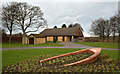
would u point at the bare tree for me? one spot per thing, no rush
(114, 26)
(78, 25)
(8, 15)
(30, 19)
(64, 26)
(71, 25)
(118, 26)
(95, 29)
(55, 26)
(98, 28)
(108, 29)
(3, 32)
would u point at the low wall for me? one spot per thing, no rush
(97, 39)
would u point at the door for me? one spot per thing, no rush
(31, 40)
(63, 38)
(55, 37)
(70, 38)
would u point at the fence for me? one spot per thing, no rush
(97, 39)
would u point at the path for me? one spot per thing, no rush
(66, 45)
(74, 45)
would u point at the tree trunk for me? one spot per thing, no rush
(100, 37)
(114, 37)
(10, 37)
(24, 39)
(108, 36)
(103, 38)
(119, 41)
(103, 35)
(114, 33)
(24, 34)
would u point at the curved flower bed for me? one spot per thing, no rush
(94, 51)
(34, 65)
(66, 59)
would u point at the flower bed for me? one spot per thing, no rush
(66, 59)
(34, 65)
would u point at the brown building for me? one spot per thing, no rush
(60, 34)
(63, 34)
(35, 39)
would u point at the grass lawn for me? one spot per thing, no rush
(13, 56)
(11, 45)
(100, 44)
(0, 61)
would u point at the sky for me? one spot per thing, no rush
(58, 12)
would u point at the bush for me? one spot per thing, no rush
(100, 57)
(105, 58)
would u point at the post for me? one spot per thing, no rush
(72, 38)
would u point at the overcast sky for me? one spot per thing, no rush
(58, 13)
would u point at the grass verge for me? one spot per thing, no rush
(100, 44)
(11, 45)
(13, 56)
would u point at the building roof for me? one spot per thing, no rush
(37, 35)
(62, 32)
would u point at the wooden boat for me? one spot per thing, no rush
(94, 51)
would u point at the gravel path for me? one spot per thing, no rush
(66, 45)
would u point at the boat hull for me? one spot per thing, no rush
(94, 51)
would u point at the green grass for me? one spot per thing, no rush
(0, 61)
(13, 56)
(100, 44)
(11, 45)
(112, 53)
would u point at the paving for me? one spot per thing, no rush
(74, 45)
(66, 45)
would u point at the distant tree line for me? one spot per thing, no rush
(104, 28)
(22, 17)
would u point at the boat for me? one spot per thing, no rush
(94, 51)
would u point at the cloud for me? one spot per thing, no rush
(66, 19)
(83, 13)
(57, 13)
(61, 0)
(69, 19)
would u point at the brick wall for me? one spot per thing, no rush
(97, 39)
(14, 39)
